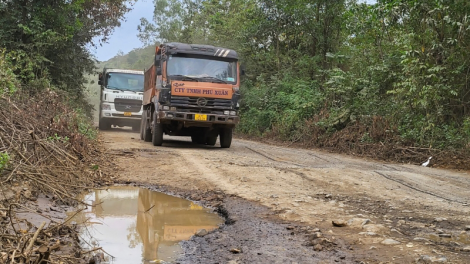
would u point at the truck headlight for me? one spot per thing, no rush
(226, 112)
(105, 107)
(166, 107)
(173, 108)
(233, 112)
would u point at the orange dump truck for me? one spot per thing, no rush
(191, 90)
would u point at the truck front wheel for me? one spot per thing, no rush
(157, 135)
(142, 126)
(104, 124)
(210, 141)
(147, 133)
(225, 137)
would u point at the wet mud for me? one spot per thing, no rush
(253, 233)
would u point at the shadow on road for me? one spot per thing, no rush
(121, 129)
(168, 141)
(185, 142)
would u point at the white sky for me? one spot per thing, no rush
(125, 37)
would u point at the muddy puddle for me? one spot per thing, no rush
(136, 225)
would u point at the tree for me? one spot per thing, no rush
(172, 21)
(47, 41)
(321, 65)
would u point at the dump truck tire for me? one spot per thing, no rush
(104, 125)
(210, 141)
(157, 135)
(226, 137)
(146, 128)
(142, 125)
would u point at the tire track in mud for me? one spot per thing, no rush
(318, 157)
(404, 183)
(210, 174)
(275, 159)
(298, 173)
(460, 180)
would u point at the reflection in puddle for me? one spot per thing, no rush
(134, 224)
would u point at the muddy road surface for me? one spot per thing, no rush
(288, 205)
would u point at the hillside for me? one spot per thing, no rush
(137, 59)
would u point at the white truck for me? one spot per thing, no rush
(120, 98)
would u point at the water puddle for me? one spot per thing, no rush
(136, 225)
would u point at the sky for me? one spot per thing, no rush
(125, 38)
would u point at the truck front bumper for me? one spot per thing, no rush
(190, 118)
(120, 115)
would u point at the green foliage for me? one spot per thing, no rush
(45, 45)
(56, 137)
(85, 125)
(318, 66)
(4, 159)
(47, 42)
(8, 80)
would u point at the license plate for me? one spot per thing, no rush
(127, 114)
(200, 117)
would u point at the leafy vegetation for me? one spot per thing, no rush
(4, 159)
(396, 71)
(56, 137)
(8, 81)
(46, 43)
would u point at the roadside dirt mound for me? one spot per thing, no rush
(373, 138)
(45, 150)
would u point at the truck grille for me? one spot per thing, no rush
(127, 105)
(192, 102)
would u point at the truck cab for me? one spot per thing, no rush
(120, 98)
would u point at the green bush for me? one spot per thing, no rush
(4, 159)
(8, 81)
(85, 124)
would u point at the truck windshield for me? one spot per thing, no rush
(201, 68)
(125, 81)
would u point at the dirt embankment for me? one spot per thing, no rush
(46, 159)
(283, 201)
(373, 138)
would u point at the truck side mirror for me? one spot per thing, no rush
(242, 69)
(100, 78)
(158, 66)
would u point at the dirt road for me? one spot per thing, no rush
(280, 202)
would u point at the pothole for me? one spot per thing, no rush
(136, 225)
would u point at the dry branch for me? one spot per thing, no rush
(49, 155)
